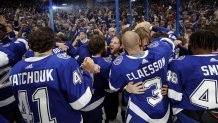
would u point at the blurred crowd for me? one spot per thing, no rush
(24, 16)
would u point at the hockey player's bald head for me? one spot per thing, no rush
(130, 40)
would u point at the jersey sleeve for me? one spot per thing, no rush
(174, 84)
(163, 46)
(171, 34)
(168, 42)
(116, 79)
(19, 47)
(4, 59)
(6, 56)
(78, 85)
(83, 53)
(73, 52)
(105, 68)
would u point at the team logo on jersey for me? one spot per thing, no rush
(153, 44)
(63, 56)
(180, 58)
(144, 61)
(107, 59)
(118, 60)
(57, 50)
(213, 60)
(29, 66)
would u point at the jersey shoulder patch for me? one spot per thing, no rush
(118, 60)
(153, 44)
(107, 59)
(63, 56)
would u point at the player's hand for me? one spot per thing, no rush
(63, 47)
(146, 25)
(89, 65)
(177, 42)
(136, 88)
(164, 90)
(96, 68)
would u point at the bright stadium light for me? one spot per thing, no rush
(54, 7)
(64, 4)
(133, 0)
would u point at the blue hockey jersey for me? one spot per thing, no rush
(151, 69)
(193, 82)
(83, 52)
(172, 36)
(100, 83)
(10, 54)
(51, 89)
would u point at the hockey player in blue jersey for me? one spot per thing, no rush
(10, 54)
(148, 67)
(93, 113)
(50, 88)
(193, 81)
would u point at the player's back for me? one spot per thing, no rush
(48, 88)
(151, 69)
(196, 87)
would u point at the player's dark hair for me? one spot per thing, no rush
(41, 40)
(204, 39)
(96, 44)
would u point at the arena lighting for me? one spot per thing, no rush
(54, 7)
(133, 0)
(64, 4)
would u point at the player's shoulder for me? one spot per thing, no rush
(63, 58)
(154, 43)
(119, 60)
(18, 66)
(182, 62)
(181, 59)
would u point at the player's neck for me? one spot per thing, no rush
(133, 51)
(201, 51)
(49, 52)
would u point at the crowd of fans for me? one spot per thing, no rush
(80, 31)
(69, 20)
